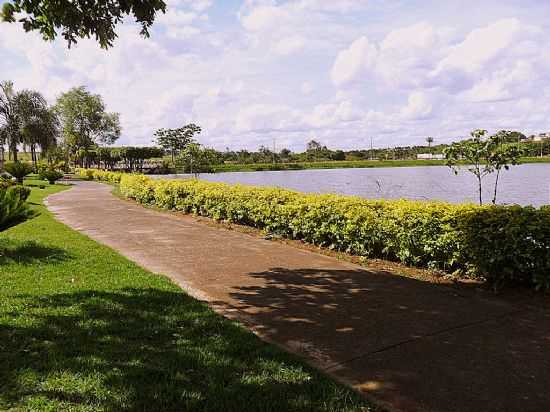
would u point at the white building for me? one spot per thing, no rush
(430, 156)
(541, 136)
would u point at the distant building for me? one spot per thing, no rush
(430, 156)
(541, 136)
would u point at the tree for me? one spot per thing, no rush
(176, 140)
(430, 140)
(313, 145)
(38, 123)
(9, 121)
(26, 118)
(84, 121)
(195, 159)
(80, 18)
(482, 156)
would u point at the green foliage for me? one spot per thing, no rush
(13, 205)
(19, 170)
(83, 329)
(483, 156)
(128, 158)
(52, 175)
(80, 19)
(496, 243)
(101, 175)
(176, 140)
(84, 121)
(196, 159)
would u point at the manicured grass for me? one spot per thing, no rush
(344, 164)
(84, 329)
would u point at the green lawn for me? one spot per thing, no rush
(84, 329)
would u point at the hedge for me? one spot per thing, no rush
(495, 243)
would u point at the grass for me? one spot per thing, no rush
(84, 329)
(343, 164)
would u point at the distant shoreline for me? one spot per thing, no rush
(342, 164)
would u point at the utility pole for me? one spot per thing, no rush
(371, 153)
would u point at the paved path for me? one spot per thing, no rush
(411, 345)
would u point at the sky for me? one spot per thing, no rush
(282, 72)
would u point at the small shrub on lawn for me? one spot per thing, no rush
(51, 175)
(19, 170)
(13, 206)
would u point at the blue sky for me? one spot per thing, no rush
(254, 72)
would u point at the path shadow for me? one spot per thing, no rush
(398, 338)
(149, 350)
(30, 252)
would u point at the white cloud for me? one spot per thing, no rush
(352, 62)
(419, 106)
(289, 45)
(285, 69)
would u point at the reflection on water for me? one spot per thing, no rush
(527, 184)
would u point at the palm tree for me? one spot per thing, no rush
(430, 140)
(8, 117)
(38, 123)
(25, 118)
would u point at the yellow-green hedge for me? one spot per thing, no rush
(102, 175)
(499, 243)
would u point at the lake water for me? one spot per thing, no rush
(527, 184)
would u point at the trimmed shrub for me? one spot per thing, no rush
(51, 175)
(13, 206)
(101, 175)
(19, 170)
(496, 243)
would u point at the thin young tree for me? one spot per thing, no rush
(483, 155)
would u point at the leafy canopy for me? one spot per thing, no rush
(84, 121)
(176, 140)
(483, 155)
(81, 18)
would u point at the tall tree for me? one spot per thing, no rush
(38, 123)
(80, 18)
(429, 140)
(176, 140)
(84, 121)
(9, 121)
(26, 118)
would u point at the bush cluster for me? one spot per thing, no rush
(101, 175)
(19, 170)
(496, 243)
(13, 205)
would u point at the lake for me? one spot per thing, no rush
(527, 184)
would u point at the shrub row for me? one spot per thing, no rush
(102, 175)
(497, 243)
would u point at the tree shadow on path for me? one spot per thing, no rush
(399, 338)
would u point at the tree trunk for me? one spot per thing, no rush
(496, 188)
(480, 191)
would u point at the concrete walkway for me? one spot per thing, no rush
(410, 345)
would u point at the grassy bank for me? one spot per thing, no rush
(84, 329)
(343, 164)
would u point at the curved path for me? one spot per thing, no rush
(411, 345)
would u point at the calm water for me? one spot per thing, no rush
(527, 184)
